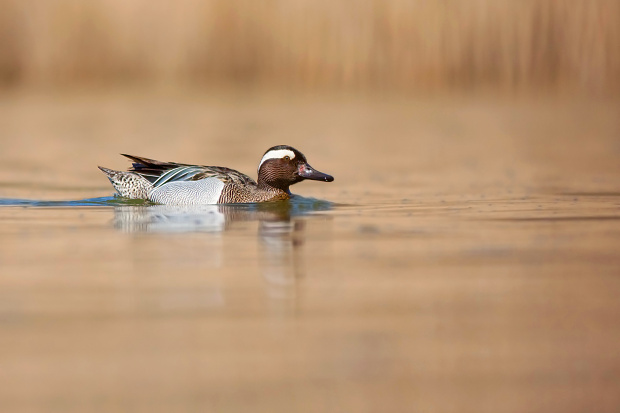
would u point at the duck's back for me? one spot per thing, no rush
(183, 184)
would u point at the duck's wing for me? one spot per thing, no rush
(159, 173)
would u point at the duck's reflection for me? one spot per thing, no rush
(282, 260)
(280, 234)
(169, 218)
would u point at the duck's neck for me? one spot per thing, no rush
(275, 190)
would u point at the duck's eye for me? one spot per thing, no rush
(287, 158)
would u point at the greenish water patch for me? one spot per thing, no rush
(101, 201)
(297, 205)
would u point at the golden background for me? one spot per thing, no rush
(469, 257)
(405, 46)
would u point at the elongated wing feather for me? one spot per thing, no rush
(182, 173)
(159, 173)
(150, 168)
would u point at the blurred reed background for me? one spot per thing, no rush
(411, 46)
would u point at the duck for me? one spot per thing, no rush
(173, 183)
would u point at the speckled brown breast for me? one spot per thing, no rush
(235, 192)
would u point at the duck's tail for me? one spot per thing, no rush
(128, 184)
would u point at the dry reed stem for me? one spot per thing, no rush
(405, 45)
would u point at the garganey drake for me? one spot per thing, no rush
(182, 184)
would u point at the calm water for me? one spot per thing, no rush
(466, 259)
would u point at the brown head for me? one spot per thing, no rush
(283, 166)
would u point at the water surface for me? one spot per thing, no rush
(466, 258)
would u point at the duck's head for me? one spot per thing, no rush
(283, 166)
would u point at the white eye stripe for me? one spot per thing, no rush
(277, 154)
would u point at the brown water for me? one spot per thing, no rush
(466, 258)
